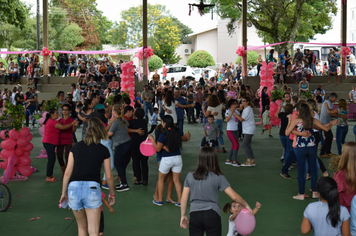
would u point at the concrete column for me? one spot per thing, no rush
(45, 41)
(343, 37)
(244, 39)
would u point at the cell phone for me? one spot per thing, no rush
(64, 204)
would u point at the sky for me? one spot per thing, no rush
(180, 9)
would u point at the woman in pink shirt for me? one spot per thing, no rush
(51, 139)
(65, 138)
(114, 85)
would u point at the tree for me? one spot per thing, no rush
(200, 58)
(252, 57)
(154, 63)
(13, 12)
(281, 20)
(62, 35)
(164, 31)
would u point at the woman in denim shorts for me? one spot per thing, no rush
(83, 193)
(169, 142)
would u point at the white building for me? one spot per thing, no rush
(219, 43)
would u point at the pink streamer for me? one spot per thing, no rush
(274, 44)
(75, 52)
(19, 52)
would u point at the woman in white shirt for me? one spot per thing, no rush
(169, 106)
(215, 108)
(248, 129)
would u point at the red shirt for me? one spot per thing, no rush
(345, 197)
(51, 133)
(127, 120)
(165, 71)
(114, 85)
(66, 136)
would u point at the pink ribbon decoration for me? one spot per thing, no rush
(45, 52)
(345, 51)
(241, 51)
(144, 52)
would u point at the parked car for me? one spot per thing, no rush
(199, 71)
(176, 71)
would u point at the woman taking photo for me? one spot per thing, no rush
(169, 142)
(305, 149)
(51, 139)
(203, 185)
(65, 137)
(81, 182)
(215, 109)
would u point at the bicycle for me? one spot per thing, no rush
(5, 196)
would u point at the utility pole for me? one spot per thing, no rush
(38, 26)
(45, 40)
(144, 36)
(244, 38)
(343, 36)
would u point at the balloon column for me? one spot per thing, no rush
(128, 80)
(345, 51)
(268, 81)
(241, 51)
(144, 52)
(16, 152)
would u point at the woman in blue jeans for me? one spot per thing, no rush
(215, 108)
(342, 128)
(305, 149)
(119, 133)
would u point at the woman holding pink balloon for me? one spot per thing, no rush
(51, 139)
(203, 185)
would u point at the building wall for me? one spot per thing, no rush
(180, 51)
(351, 21)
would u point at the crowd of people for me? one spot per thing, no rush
(112, 134)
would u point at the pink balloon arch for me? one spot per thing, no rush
(128, 80)
(267, 80)
(16, 153)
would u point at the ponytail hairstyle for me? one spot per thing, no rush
(86, 104)
(327, 187)
(120, 111)
(227, 207)
(173, 135)
(48, 115)
(305, 115)
(208, 162)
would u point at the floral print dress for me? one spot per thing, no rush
(304, 141)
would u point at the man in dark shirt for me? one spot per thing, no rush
(298, 55)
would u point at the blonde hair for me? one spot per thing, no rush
(313, 105)
(342, 104)
(95, 132)
(346, 161)
(120, 111)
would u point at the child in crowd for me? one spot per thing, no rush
(235, 208)
(289, 74)
(205, 108)
(154, 119)
(211, 133)
(266, 122)
(105, 202)
(308, 72)
(231, 129)
(326, 216)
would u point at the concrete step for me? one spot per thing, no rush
(52, 80)
(55, 88)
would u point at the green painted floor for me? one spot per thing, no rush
(136, 215)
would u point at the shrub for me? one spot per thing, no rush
(155, 62)
(201, 59)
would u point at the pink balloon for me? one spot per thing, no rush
(22, 141)
(8, 144)
(3, 165)
(28, 148)
(244, 222)
(29, 137)
(26, 154)
(2, 134)
(19, 151)
(42, 119)
(24, 132)
(41, 130)
(6, 153)
(14, 135)
(25, 170)
(25, 161)
(13, 171)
